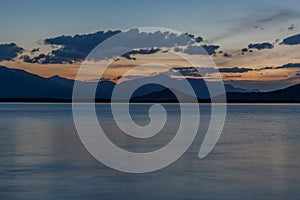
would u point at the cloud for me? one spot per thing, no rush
(199, 50)
(186, 71)
(197, 39)
(235, 70)
(35, 50)
(203, 71)
(260, 46)
(244, 50)
(191, 71)
(243, 70)
(292, 40)
(264, 68)
(259, 19)
(233, 76)
(285, 66)
(211, 49)
(71, 48)
(43, 59)
(76, 48)
(9, 51)
(135, 39)
(226, 55)
(289, 65)
(198, 72)
(291, 27)
(140, 51)
(81, 43)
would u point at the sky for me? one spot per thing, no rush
(28, 21)
(232, 25)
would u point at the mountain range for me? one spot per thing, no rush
(19, 85)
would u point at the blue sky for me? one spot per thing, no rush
(25, 22)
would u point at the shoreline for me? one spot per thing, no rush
(205, 101)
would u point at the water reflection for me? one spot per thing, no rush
(257, 157)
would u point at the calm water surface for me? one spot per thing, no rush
(257, 156)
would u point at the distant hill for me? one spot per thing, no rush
(198, 86)
(19, 85)
(290, 94)
(165, 95)
(16, 83)
(287, 95)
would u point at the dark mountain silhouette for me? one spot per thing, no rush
(165, 95)
(289, 94)
(19, 85)
(16, 83)
(231, 88)
(198, 85)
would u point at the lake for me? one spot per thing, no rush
(256, 157)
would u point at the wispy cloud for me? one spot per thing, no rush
(259, 19)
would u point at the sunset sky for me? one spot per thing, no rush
(255, 44)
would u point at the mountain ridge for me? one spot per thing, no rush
(18, 85)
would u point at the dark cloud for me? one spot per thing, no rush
(191, 71)
(199, 72)
(140, 51)
(38, 59)
(211, 49)
(27, 59)
(289, 65)
(186, 71)
(226, 55)
(35, 50)
(233, 76)
(292, 27)
(286, 66)
(260, 46)
(201, 50)
(276, 41)
(76, 48)
(72, 48)
(197, 39)
(235, 70)
(292, 40)
(83, 43)
(264, 68)
(9, 51)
